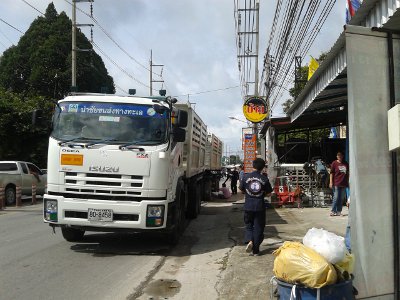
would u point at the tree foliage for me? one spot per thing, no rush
(33, 72)
(41, 62)
(296, 89)
(20, 140)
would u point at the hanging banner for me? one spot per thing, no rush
(250, 147)
(255, 109)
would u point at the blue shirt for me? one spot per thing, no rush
(255, 185)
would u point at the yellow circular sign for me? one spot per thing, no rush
(255, 109)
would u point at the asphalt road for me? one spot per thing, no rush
(37, 264)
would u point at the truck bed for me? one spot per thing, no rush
(194, 149)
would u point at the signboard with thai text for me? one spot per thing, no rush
(255, 109)
(247, 130)
(250, 147)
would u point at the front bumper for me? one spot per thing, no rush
(126, 215)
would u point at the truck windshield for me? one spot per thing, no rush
(109, 123)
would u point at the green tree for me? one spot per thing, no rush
(20, 140)
(296, 89)
(41, 62)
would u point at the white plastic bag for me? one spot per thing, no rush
(327, 244)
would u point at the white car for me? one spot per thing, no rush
(22, 174)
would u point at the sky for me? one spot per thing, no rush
(194, 40)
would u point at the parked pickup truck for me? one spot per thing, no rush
(23, 174)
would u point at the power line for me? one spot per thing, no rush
(27, 3)
(11, 26)
(7, 38)
(119, 67)
(292, 34)
(209, 91)
(111, 38)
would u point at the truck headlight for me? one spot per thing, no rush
(50, 210)
(155, 215)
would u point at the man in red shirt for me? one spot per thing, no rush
(339, 181)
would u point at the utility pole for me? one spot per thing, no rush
(151, 73)
(73, 82)
(252, 32)
(257, 46)
(74, 48)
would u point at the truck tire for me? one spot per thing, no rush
(72, 234)
(194, 202)
(10, 195)
(207, 190)
(179, 221)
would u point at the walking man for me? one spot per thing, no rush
(339, 181)
(234, 179)
(255, 186)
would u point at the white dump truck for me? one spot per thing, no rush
(125, 163)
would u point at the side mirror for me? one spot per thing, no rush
(182, 119)
(179, 135)
(160, 109)
(37, 116)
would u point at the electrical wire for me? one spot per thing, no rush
(209, 91)
(292, 34)
(119, 67)
(27, 3)
(112, 39)
(13, 27)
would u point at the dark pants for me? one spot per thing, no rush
(234, 187)
(255, 223)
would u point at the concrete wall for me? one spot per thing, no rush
(370, 176)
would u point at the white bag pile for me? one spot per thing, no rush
(327, 244)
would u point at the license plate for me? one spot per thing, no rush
(104, 215)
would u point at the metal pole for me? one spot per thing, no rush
(151, 72)
(257, 46)
(73, 82)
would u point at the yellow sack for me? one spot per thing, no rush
(298, 264)
(346, 266)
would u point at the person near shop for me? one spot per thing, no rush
(241, 173)
(255, 186)
(223, 193)
(234, 178)
(338, 182)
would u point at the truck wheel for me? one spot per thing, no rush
(193, 203)
(72, 234)
(180, 219)
(10, 195)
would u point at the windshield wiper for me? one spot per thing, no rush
(100, 141)
(62, 143)
(131, 146)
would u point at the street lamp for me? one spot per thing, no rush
(234, 118)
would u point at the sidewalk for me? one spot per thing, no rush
(247, 277)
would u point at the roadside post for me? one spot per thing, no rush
(18, 201)
(33, 193)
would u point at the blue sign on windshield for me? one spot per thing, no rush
(117, 109)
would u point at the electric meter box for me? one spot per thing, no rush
(394, 127)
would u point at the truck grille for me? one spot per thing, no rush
(127, 196)
(95, 179)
